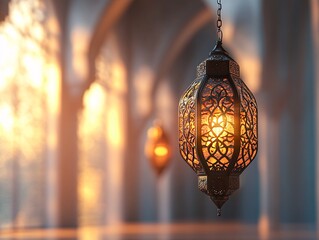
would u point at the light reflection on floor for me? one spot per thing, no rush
(196, 231)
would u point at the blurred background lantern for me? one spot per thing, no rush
(157, 148)
(218, 124)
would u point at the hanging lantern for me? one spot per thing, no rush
(218, 124)
(157, 148)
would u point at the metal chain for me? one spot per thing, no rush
(219, 21)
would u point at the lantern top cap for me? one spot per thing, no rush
(219, 52)
(218, 63)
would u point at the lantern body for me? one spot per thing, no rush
(218, 126)
(157, 148)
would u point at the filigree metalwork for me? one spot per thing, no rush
(217, 124)
(187, 134)
(234, 68)
(201, 69)
(202, 183)
(248, 127)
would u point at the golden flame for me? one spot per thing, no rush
(161, 151)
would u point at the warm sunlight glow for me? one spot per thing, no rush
(246, 49)
(79, 39)
(114, 124)
(87, 190)
(251, 70)
(52, 72)
(29, 108)
(143, 82)
(95, 98)
(6, 119)
(119, 74)
(102, 135)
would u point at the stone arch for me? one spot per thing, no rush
(111, 14)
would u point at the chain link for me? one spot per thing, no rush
(219, 21)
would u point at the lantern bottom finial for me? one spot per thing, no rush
(219, 212)
(219, 202)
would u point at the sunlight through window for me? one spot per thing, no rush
(29, 104)
(102, 141)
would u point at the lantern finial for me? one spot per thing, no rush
(219, 212)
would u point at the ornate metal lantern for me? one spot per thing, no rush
(157, 148)
(218, 125)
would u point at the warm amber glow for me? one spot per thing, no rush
(157, 147)
(218, 125)
(161, 151)
(154, 132)
(221, 125)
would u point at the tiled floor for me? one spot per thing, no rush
(196, 231)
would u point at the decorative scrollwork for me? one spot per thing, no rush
(201, 69)
(187, 136)
(234, 68)
(217, 124)
(248, 127)
(202, 184)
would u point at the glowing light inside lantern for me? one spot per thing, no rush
(157, 147)
(161, 151)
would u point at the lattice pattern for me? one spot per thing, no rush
(187, 115)
(217, 124)
(248, 127)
